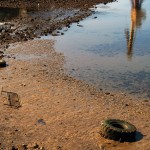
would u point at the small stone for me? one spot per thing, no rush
(146, 101)
(107, 93)
(94, 17)
(14, 148)
(7, 46)
(126, 104)
(2, 63)
(24, 145)
(55, 33)
(16, 130)
(35, 145)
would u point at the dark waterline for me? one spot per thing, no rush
(8, 13)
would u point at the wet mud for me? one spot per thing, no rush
(57, 111)
(25, 20)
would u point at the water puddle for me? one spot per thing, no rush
(111, 48)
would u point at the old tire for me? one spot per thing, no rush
(2, 63)
(117, 130)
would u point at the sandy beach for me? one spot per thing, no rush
(59, 112)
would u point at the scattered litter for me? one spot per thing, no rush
(118, 130)
(13, 99)
(41, 121)
(2, 63)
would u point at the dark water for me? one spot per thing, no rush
(112, 49)
(7, 14)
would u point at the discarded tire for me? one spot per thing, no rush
(2, 63)
(117, 130)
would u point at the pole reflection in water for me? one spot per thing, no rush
(137, 16)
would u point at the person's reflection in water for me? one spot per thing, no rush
(137, 15)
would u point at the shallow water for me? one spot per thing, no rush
(111, 48)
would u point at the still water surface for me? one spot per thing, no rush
(111, 48)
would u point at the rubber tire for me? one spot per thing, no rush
(2, 63)
(117, 130)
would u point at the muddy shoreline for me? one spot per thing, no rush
(48, 18)
(57, 111)
(44, 4)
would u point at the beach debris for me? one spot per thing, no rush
(41, 121)
(118, 130)
(2, 63)
(13, 99)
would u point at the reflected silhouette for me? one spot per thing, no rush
(7, 14)
(137, 16)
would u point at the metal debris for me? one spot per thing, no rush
(13, 99)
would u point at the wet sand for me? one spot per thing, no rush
(59, 112)
(38, 18)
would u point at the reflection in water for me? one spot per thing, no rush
(136, 3)
(95, 53)
(10, 13)
(137, 15)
